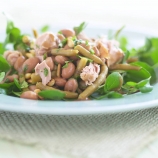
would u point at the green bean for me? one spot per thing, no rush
(92, 88)
(64, 52)
(82, 63)
(87, 54)
(124, 67)
(68, 95)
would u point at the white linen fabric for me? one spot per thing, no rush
(118, 135)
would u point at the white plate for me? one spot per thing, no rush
(128, 103)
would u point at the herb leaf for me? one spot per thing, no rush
(80, 28)
(45, 71)
(52, 94)
(2, 75)
(114, 81)
(62, 43)
(66, 64)
(4, 65)
(45, 28)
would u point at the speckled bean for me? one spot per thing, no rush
(50, 63)
(60, 82)
(71, 85)
(19, 62)
(61, 37)
(68, 32)
(12, 58)
(32, 87)
(61, 59)
(30, 64)
(29, 95)
(68, 71)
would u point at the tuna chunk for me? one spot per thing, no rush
(116, 54)
(45, 43)
(90, 73)
(43, 70)
(109, 49)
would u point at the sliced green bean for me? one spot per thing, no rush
(68, 95)
(92, 88)
(87, 54)
(64, 52)
(124, 67)
(82, 63)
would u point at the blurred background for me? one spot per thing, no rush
(35, 13)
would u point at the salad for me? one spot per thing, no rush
(69, 65)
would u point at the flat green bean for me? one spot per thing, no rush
(64, 52)
(82, 63)
(124, 67)
(87, 54)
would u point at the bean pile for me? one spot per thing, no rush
(67, 61)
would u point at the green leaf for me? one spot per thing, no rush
(123, 43)
(126, 56)
(24, 84)
(136, 75)
(147, 46)
(2, 75)
(114, 94)
(17, 84)
(14, 35)
(143, 83)
(2, 48)
(149, 52)
(52, 94)
(113, 82)
(149, 69)
(7, 88)
(45, 28)
(142, 86)
(146, 89)
(131, 84)
(130, 88)
(92, 51)
(62, 43)
(45, 72)
(10, 24)
(17, 93)
(118, 32)
(45, 56)
(4, 65)
(66, 64)
(111, 94)
(80, 28)
(6, 85)
(87, 43)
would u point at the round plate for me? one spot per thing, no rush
(128, 103)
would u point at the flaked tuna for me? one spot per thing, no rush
(44, 44)
(90, 73)
(43, 70)
(109, 49)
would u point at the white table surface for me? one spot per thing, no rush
(28, 14)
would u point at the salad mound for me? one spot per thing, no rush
(69, 65)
